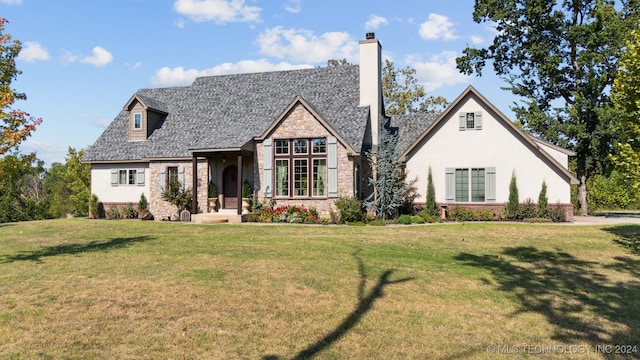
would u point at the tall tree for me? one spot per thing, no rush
(625, 94)
(561, 58)
(404, 95)
(15, 125)
(401, 91)
(388, 182)
(68, 186)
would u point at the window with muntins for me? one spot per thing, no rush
(470, 121)
(470, 184)
(300, 168)
(125, 177)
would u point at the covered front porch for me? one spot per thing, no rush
(226, 170)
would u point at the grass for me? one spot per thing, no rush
(85, 289)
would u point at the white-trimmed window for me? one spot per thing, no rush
(127, 177)
(470, 184)
(137, 121)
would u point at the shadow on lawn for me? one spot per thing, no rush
(563, 288)
(70, 249)
(364, 304)
(628, 237)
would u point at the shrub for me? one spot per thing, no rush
(543, 201)
(94, 207)
(431, 219)
(610, 192)
(334, 217)
(459, 213)
(142, 203)
(247, 192)
(417, 219)
(405, 219)
(212, 190)
(512, 208)
(290, 214)
(128, 212)
(253, 218)
(527, 210)
(556, 214)
(483, 215)
(113, 213)
(350, 209)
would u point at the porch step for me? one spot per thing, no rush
(221, 217)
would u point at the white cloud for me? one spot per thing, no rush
(294, 6)
(180, 76)
(101, 57)
(374, 22)
(46, 151)
(33, 51)
(437, 27)
(11, 2)
(476, 40)
(304, 46)
(103, 123)
(219, 11)
(439, 71)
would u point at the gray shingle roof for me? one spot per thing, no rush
(410, 127)
(218, 112)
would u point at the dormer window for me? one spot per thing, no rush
(137, 121)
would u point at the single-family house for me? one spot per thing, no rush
(300, 137)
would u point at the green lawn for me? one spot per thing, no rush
(96, 289)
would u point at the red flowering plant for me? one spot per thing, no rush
(290, 214)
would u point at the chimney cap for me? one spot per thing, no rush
(370, 35)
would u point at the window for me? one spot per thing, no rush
(470, 185)
(470, 121)
(300, 167)
(122, 177)
(137, 121)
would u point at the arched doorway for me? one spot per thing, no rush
(230, 187)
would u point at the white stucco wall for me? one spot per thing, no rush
(495, 145)
(101, 183)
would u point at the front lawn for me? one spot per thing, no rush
(97, 289)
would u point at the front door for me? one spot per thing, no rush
(230, 187)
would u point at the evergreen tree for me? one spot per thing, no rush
(513, 205)
(431, 206)
(388, 180)
(543, 202)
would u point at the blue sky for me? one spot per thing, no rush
(82, 60)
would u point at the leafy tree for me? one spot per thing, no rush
(68, 186)
(624, 93)
(543, 201)
(21, 195)
(401, 92)
(560, 58)
(512, 210)
(431, 207)
(388, 181)
(15, 125)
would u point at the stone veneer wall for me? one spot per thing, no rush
(163, 210)
(300, 123)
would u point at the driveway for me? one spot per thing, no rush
(605, 220)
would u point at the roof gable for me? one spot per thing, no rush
(449, 115)
(302, 102)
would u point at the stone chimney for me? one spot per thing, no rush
(371, 83)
